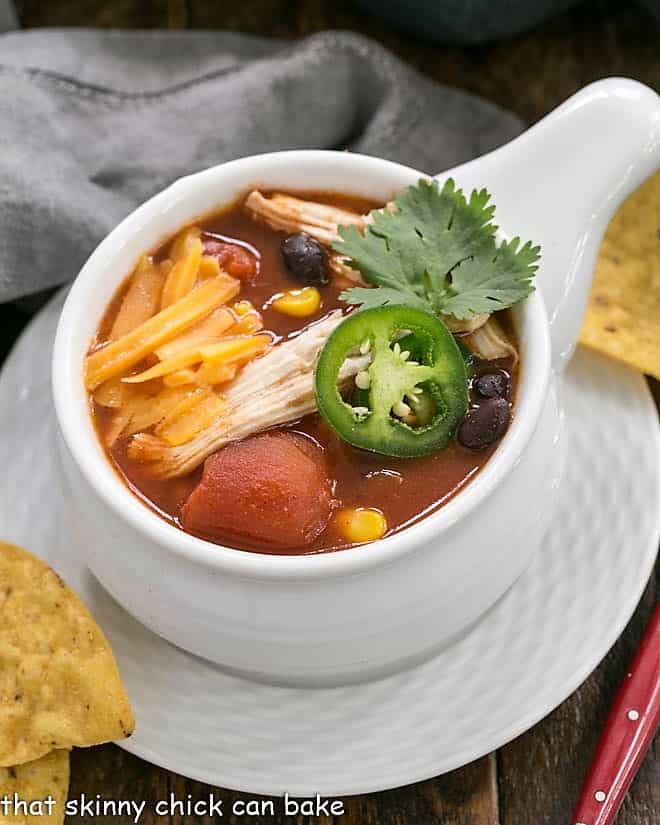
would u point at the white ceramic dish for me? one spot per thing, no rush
(527, 655)
(369, 610)
(314, 619)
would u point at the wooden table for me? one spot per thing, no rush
(536, 779)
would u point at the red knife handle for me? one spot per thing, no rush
(628, 732)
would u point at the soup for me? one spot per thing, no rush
(212, 389)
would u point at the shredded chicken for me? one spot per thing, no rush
(272, 390)
(490, 341)
(341, 269)
(465, 327)
(284, 213)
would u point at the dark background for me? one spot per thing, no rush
(529, 74)
(536, 779)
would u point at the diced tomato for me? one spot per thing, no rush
(271, 488)
(233, 258)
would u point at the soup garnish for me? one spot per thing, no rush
(429, 253)
(413, 393)
(302, 374)
(434, 250)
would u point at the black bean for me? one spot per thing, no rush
(485, 424)
(493, 384)
(306, 259)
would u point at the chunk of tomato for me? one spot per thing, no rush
(271, 488)
(233, 258)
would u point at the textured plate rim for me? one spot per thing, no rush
(498, 738)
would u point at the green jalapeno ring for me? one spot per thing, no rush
(440, 371)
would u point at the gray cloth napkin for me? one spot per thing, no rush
(94, 122)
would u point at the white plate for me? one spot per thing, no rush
(524, 658)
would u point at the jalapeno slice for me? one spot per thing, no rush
(414, 394)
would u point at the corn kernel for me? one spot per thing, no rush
(298, 302)
(361, 524)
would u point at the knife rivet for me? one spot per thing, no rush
(633, 715)
(600, 796)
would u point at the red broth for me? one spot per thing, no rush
(405, 490)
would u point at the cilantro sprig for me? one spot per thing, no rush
(436, 250)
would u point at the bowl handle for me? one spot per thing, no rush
(560, 182)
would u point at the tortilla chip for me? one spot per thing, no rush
(59, 683)
(35, 782)
(623, 316)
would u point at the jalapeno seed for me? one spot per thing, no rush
(485, 424)
(305, 259)
(423, 407)
(362, 380)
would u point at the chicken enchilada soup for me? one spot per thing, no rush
(300, 373)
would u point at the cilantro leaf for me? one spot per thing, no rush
(370, 253)
(382, 296)
(476, 288)
(436, 250)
